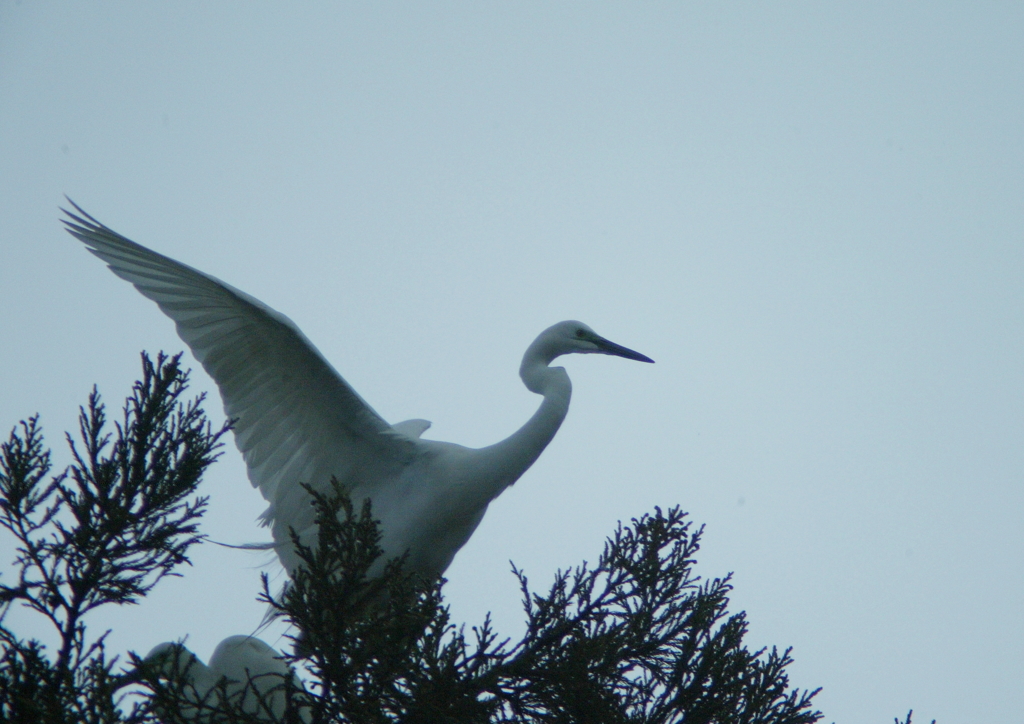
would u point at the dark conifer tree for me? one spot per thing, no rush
(103, 532)
(636, 637)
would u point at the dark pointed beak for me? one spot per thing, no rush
(607, 347)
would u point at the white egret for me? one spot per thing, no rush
(254, 676)
(297, 421)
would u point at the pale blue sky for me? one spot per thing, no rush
(808, 214)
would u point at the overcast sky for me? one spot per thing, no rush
(808, 214)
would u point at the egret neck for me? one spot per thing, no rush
(507, 460)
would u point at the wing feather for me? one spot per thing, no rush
(295, 419)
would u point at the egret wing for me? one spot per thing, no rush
(295, 419)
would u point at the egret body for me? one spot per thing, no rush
(297, 421)
(254, 676)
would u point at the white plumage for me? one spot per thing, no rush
(297, 421)
(254, 676)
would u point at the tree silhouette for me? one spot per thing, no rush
(634, 637)
(103, 532)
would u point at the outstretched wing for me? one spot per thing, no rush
(295, 419)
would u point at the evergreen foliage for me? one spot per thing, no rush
(121, 517)
(637, 637)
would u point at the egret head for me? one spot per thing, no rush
(168, 657)
(575, 337)
(172, 660)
